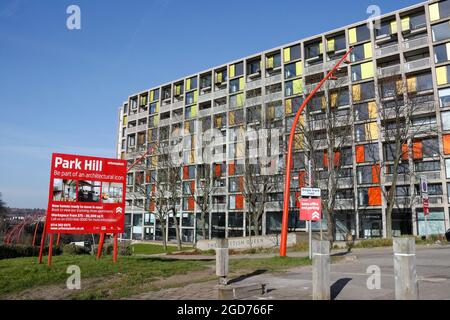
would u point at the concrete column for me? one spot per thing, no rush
(406, 287)
(321, 270)
(222, 260)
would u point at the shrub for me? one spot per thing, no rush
(124, 249)
(17, 251)
(72, 250)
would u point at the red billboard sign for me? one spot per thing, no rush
(86, 195)
(426, 206)
(310, 209)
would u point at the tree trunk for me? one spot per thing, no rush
(177, 231)
(330, 227)
(203, 222)
(163, 233)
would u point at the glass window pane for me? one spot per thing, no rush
(441, 31)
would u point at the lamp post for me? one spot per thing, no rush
(287, 183)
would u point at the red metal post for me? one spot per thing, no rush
(50, 250)
(287, 180)
(41, 249)
(115, 248)
(35, 233)
(100, 245)
(58, 239)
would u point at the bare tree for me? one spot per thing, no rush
(3, 209)
(401, 130)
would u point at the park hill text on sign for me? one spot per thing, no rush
(88, 165)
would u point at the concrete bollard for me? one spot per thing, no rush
(406, 286)
(321, 270)
(222, 260)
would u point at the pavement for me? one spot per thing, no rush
(348, 277)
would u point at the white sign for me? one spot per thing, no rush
(310, 192)
(423, 185)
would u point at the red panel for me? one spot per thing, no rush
(218, 170)
(302, 179)
(417, 150)
(191, 203)
(374, 196)
(446, 142)
(405, 154)
(360, 154)
(325, 158)
(231, 169)
(376, 173)
(186, 172)
(239, 201)
(337, 158)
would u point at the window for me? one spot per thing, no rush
(447, 169)
(254, 67)
(391, 88)
(441, 31)
(275, 110)
(362, 71)
(237, 85)
(178, 89)
(368, 174)
(441, 52)
(418, 83)
(427, 166)
(367, 131)
(191, 97)
(369, 196)
(236, 202)
(191, 83)
(205, 81)
(190, 112)
(363, 91)
(154, 108)
(131, 140)
(236, 184)
(430, 147)
(365, 111)
(273, 61)
(358, 34)
(292, 53)
(236, 117)
(337, 43)
(444, 98)
(237, 100)
(154, 95)
(387, 28)
(221, 76)
(413, 22)
(439, 10)
(293, 88)
(445, 116)
(443, 75)
(236, 69)
(293, 70)
(367, 153)
(292, 105)
(314, 50)
(361, 52)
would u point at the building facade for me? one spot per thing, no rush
(410, 46)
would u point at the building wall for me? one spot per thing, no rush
(407, 46)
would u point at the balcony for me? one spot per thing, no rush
(345, 203)
(165, 122)
(273, 79)
(383, 51)
(219, 206)
(273, 97)
(417, 64)
(430, 175)
(205, 112)
(340, 82)
(220, 109)
(389, 71)
(274, 205)
(345, 182)
(204, 97)
(177, 118)
(314, 69)
(415, 43)
(310, 87)
(254, 101)
(253, 84)
(219, 94)
(425, 107)
(133, 117)
(176, 105)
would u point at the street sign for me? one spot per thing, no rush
(86, 195)
(310, 209)
(423, 185)
(310, 192)
(426, 206)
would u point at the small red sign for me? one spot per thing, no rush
(310, 209)
(86, 195)
(426, 206)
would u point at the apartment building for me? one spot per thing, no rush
(411, 45)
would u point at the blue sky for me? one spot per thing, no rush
(60, 89)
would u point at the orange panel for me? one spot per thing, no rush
(325, 158)
(239, 201)
(192, 186)
(417, 150)
(359, 154)
(446, 141)
(405, 151)
(152, 206)
(191, 203)
(376, 173)
(218, 170)
(302, 179)
(231, 169)
(374, 196)
(241, 184)
(186, 172)
(337, 158)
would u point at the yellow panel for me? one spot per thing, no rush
(434, 11)
(394, 27)
(330, 44)
(372, 106)
(399, 86)
(297, 86)
(288, 106)
(287, 54)
(154, 161)
(298, 141)
(156, 120)
(241, 83)
(152, 95)
(412, 84)
(193, 111)
(333, 99)
(270, 62)
(367, 70)
(323, 101)
(232, 71)
(219, 77)
(356, 92)
(373, 130)
(298, 68)
(157, 107)
(188, 84)
(367, 50)
(405, 24)
(125, 120)
(441, 75)
(321, 47)
(240, 100)
(195, 96)
(352, 35)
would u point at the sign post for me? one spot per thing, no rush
(425, 201)
(86, 195)
(310, 210)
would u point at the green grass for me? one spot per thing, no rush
(149, 248)
(130, 275)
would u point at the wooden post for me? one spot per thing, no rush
(321, 270)
(406, 286)
(222, 260)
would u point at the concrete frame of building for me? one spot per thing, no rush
(402, 45)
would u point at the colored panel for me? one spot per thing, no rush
(412, 84)
(287, 54)
(288, 106)
(371, 131)
(376, 173)
(239, 201)
(218, 170)
(232, 71)
(393, 27)
(297, 86)
(405, 151)
(231, 169)
(399, 86)
(333, 98)
(185, 172)
(447, 50)
(330, 44)
(434, 11)
(321, 47)
(360, 154)
(188, 84)
(337, 158)
(298, 68)
(152, 95)
(241, 184)
(441, 75)
(241, 83)
(367, 70)
(240, 100)
(219, 77)
(298, 141)
(270, 62)
(372, 108)
(405, 24)
(325, 158)
(125, 120)
(417, 150)
(446, 143)
(352, 35)
(302, 178)
(195, 96)
(191, 204)
(368, 50)
(374, 196)
(231, 118)
(356, 92)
